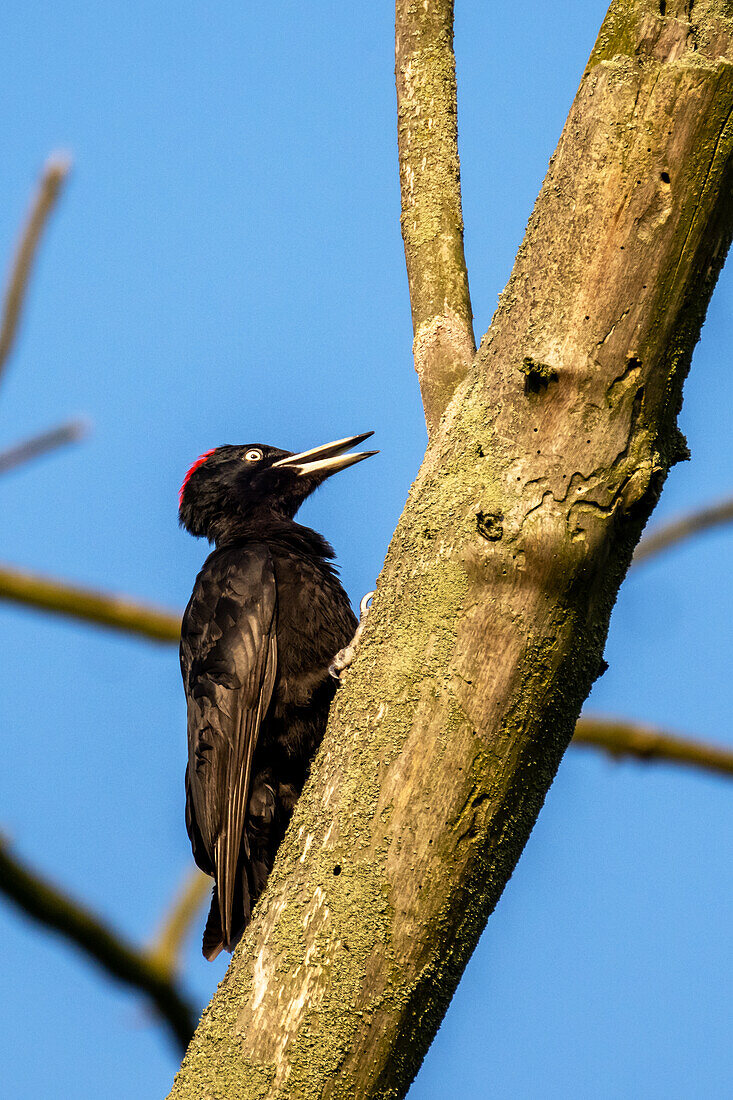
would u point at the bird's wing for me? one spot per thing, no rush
(229, 663)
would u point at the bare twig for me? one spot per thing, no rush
(693, 524)
(38, 445)
(622, 738)
(46, 904)
(102, 608)
(166, 946)
(55, 172)
(430, 181)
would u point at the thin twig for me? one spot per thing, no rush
(54, 173)
(622, 738)
(70, 432)
(166, 946)
(46, 904)
(102, 608)
(430, 182)
(693, 524)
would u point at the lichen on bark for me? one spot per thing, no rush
(479, 652)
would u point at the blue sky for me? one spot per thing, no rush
(226, 266)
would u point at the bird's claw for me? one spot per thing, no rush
(364, 609)
(345, 657)
(341, 662)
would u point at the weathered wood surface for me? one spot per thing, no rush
(430, 187)
(492, 609)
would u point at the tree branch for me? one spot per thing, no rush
(684, 528)
(70, 432)
(432, 221)
(103, 608)
(53, 909)
(617, 738)
(621, 738)
(166, 946)
(55, 172)
(488, 625)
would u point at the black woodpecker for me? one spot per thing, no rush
(266, 618)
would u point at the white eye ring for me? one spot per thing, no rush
(253, 456)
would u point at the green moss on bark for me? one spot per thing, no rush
(478, 652)
(619, 33)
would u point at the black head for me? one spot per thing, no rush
(231, 485)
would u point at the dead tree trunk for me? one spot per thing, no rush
(492, 609)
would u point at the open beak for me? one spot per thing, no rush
(327, 459)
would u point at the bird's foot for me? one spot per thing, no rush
(345, 657)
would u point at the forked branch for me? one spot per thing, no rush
(491, 612)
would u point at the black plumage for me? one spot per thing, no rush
(266, 618)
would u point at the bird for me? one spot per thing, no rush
(266, 618)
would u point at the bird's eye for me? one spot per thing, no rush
(253, 455)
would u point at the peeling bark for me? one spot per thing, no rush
(491, 613)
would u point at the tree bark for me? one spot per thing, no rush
(430, 187)
(491, 612)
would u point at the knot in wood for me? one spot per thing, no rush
(489, 525)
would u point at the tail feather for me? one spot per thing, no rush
(260, 834)
(213, 935)
(260, 838)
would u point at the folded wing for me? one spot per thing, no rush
(229, 664)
